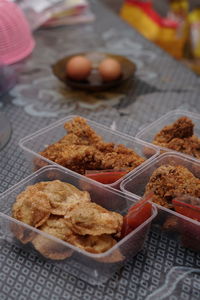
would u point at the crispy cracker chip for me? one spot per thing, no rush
(93, 244)
(90, 218)
(51, 249)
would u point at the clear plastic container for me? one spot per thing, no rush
(93, 268)
(8, 78)
(38, 141)
(148, 132)
(169, 220)
(5, 130)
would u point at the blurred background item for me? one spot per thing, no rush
(192, 55)
(55, 13)
(5, 130)
(7, 78)
(16, 41)
(173, 25)
(169, 32)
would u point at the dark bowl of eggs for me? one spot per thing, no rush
(94, 71)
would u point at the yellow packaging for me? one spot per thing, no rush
(162, 31)
(180, 8)
(194, 22)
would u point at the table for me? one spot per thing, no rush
(163, 269)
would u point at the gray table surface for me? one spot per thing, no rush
(160, 84)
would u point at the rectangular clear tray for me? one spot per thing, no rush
(187, 229)
(93, 268)
(38, 141)
(148, 132)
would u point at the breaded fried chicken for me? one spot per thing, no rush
(168, 182)
(82, 149)
(179, 137)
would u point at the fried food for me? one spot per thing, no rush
(62, 196)
(93, 244)
(24, 235)
(37, 202)
(60, 209)
(35, 205)
(92, 219)
(168, 182)
(32, 208)
(179, 137)
(56, 226)
(51, 249)
(82, 149)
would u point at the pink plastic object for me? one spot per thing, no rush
(16, 41)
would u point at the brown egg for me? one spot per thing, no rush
(78, 67)
(110, 69)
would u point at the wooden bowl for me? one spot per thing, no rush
(94, 81)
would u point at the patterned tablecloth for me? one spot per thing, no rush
(163, 269)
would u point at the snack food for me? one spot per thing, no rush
(60, 209)
(179, 136)
(168, 182)
(83, 149)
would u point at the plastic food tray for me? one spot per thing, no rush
(93, 268)
(38, 141)
(148, 133)
(172, 222)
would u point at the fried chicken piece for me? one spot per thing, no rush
(93, 244)
(182, 128)
(121, 158)
(82, 149)
(76, 157)
(92, 219)
(190, 145)
(168, 182)
(55, 226)
(179, 137)
(79, 127)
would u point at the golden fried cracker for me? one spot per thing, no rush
(62, 196)
(93, 244)
(51, 249)
(31, 207)
(24, 235)
(90, 218)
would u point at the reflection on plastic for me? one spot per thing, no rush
(7, 78)
(175, 275)
(5, 131)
